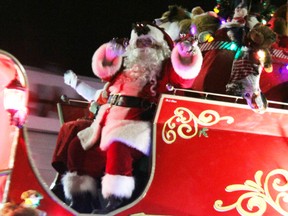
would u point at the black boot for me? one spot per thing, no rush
(58, 191)
(112, 204)
(83, 202)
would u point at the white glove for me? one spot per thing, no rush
(186, 46)
(70, 78)
(114, 49)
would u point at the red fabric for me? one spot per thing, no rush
(70, 156)
(2, 186)
(67, 133)
(283, 42)
(215, 71)
(120, 159)
(90, 162)
(120, 156)
(217, 64)
(240, 20)
(274, 85)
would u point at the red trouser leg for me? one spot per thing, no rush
(67, 133)
(85, 162)
(120, 158)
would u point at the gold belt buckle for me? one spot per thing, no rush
(114, 99)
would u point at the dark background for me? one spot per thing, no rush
(63, 34)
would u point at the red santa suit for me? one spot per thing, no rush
(123, 131)
(274, 85)
(74, 165)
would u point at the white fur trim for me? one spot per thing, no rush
(104, 71)
(118, 186)
(75, 184)
(90, 135)
(136, 134)
(187, 71)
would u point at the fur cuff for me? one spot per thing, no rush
(75, 184)
(118, 186)
(187, 71)
(104, 71)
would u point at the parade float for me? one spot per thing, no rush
(211, 154)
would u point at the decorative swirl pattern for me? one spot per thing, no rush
(259, 197)
(185, 124)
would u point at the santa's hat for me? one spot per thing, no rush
(157, 34)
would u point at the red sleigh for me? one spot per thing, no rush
(208, 157)
(211, 155)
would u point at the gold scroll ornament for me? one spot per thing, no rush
(185, 124)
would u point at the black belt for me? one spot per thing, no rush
(129, 101)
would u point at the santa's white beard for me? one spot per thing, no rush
(144, 64)
(146, 58)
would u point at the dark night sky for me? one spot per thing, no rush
(64, 34)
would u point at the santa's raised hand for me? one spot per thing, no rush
(70, 78)
(116, 47)
(186, 45)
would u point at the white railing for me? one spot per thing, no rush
(225, 98)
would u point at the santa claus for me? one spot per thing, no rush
(136, 75)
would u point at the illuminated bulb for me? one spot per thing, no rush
(263, 21)
(210, 39)
(205, 37)
(233, 46)
(169, 87)
(15, 101)
(261, 54)
(193, 30)
(216, 10)
(284, 69)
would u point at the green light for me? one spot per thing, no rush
(229, 46)
(233, 46)
(263, 21)
(238, 54)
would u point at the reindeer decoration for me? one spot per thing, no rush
(170, 20)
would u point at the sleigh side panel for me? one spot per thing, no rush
(216, 158)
